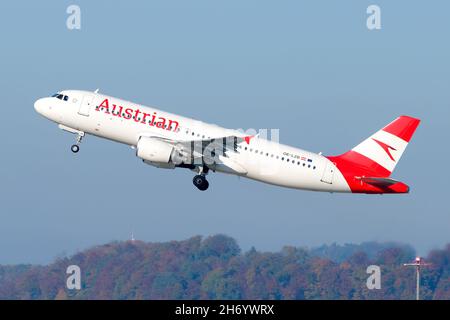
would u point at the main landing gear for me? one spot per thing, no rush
(200, 180)
(76, 147)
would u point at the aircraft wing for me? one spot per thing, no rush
(213, 152)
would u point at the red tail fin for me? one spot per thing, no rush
(376, 156)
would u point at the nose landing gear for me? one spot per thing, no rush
(76, 147)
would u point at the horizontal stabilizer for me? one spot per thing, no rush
(386, 184)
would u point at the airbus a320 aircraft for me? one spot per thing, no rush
(166, 140)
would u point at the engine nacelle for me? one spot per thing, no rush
(155, 152)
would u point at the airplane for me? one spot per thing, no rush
(166, 140)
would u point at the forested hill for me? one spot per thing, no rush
(215, 268)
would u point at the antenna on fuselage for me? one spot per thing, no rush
(96, 90)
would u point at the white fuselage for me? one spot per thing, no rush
(257, 159)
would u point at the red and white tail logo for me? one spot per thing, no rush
(368, 166)
(387, 145)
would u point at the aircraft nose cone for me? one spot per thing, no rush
(38, 106)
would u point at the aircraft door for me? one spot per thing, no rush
(328, 173)
(86, 105)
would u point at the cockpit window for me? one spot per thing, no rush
(60, 97)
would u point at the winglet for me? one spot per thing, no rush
(247, 139)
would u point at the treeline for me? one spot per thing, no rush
(215, 268)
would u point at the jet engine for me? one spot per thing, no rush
(155, 152)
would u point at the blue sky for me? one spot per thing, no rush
(310, 68)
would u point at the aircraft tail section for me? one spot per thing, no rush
(368, 166)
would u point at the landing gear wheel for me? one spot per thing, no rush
(205, 186)
(75, 148)
(200, 182)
